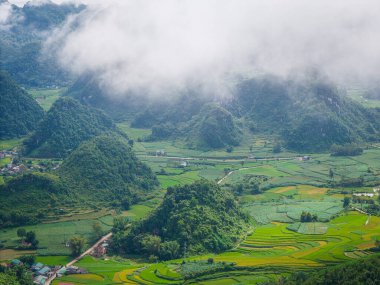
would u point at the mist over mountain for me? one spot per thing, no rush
(23, 30)
(160, 49)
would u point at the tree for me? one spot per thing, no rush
(255, 188)
(169, 250)
(346, 202)
(21, 232)
(7, 279)
(151, 244)
(97, 230)
(277, 148)
(331, 173)
(76, 244)
(28, 259)
(30, 237)
(120, 224)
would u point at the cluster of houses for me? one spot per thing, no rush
(42, 273)
(14, 168)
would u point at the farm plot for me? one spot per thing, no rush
(288, 211)
(52, 236)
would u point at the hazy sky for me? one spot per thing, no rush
(158, 46)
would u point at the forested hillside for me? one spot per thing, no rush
(65, 126)
(310, 115)
(42, 190)
(102, 171)
(200, 217)
(108, 170)
(19, 112)
(213, 127)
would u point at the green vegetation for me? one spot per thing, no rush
(42, 190)
(110, 175)
(17, 275)
(346, 150)
(76, 245)
(46, 97)
(19, 112)
(365, 271)
(109, 171)
(200, 217)
(214, 127)
(66, 125)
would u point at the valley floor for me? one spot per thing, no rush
(278, 244)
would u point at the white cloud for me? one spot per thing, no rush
(161, 46)
(5, 14)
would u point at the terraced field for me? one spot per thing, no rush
(271, 249)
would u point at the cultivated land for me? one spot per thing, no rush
(277, 244)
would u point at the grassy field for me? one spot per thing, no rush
(46, 97)
(271, 249)
(10, 144)
(279, 243)
(357, 94)
(52, 236)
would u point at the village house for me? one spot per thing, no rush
(40, 280)
(100, 250)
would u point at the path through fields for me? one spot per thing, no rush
(88, 251)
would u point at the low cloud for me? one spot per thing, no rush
(161, 47)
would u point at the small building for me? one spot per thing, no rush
(40, 280)
(37, 266)
(99, 251)
(61, 272)
(44, 271)
(160, 152)
(16, 262)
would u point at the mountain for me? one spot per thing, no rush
(306, 115)
(19, 112)
(201, 217)
(67, 124)
(213, 127)
(310, 115)
(103, 171)
(87, 91)
(42, 190)
(105, 168)
(21, 43)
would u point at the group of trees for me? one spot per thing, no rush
(363, 271)
(345, 150)
(28, 238)
(306, 217)
(76, 244)
(200, 217)
(16, 275)
(109, 170)
(153, 247)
